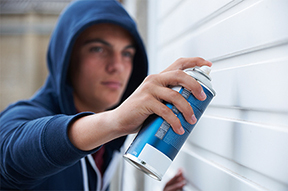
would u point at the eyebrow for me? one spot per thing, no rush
(99, 40)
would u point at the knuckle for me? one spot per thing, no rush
(185, 108)
(146, 86)
(179, 76)
(199, 59)
(179, 72)
(150, 78)
(198, 87)
(181, 59)
(195, 86)
(146, 98)
(174, 95)
(165, 111)
(190, 110)
(174, 121)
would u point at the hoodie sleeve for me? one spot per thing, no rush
(32, 149)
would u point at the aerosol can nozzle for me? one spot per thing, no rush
(206, 70)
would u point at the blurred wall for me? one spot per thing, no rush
(22, 64)
(25, 31)
(241, 141)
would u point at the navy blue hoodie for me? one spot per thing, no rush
(36, 153)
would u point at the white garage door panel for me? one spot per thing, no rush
(168, 55)
(270, 54)
(164, 7)
(191, 158)
(278, 120)
(260, 86)
(173, 51)
(243, 31)
(207, 175)
(252, 145)
(180, 20)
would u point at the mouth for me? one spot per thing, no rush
(114, 85)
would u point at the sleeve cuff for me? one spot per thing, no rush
(56, 144)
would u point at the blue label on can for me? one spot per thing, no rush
(158, 133)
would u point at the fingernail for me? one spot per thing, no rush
(184, 182)
(182, 131)
(194, 120)
(203, 95)
(210, 62)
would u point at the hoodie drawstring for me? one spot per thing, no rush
(85, 175)
(99, 177)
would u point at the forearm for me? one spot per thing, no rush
(91, 131)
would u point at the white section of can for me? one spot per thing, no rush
(155, 159)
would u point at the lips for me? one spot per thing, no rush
(114, 85)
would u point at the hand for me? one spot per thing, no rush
(149, 97)
(92, 131)
(176, 183)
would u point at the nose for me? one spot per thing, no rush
(115, 63)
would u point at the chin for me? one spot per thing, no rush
(113, 104)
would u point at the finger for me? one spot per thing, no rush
(176, 99)
(194, 87)
(184, 63)
(180, 78)
(176, 186)
(177, 178)
(167, 114)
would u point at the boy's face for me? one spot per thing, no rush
(100, 67)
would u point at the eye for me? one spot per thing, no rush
(128, 54)
(96, 49)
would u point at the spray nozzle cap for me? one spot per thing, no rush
(205, 69)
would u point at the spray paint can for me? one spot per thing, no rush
(156, 145)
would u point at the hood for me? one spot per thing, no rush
(74, 19)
